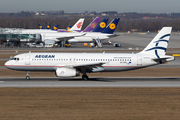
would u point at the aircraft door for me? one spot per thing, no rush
(27, 60)
(139, 60)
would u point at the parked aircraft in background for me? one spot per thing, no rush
(96, 37)
(89, 28)
(55, 27)
(76, 27)
(72, 64)
(82, 37)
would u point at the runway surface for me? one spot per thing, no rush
(93, 82)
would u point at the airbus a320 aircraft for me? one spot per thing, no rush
(72, 64)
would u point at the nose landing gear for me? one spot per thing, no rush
(27, 77)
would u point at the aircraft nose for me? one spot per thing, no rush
(7, 64)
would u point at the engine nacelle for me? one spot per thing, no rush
(66, 72)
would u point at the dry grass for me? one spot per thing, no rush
(90, 103)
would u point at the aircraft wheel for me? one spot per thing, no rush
(85, 77)
(27, 78)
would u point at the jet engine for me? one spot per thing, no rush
(67, 72)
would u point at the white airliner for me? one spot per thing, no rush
(76, 26)
(72, 64)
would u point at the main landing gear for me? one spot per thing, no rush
(27, 77)
(85, 77)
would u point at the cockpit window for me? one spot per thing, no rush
(15, 59)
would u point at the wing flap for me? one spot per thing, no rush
(70, 37)
(86, 66)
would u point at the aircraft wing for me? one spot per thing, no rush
(113, 35)
(88, 66)
(70, 37)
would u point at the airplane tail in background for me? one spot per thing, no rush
(69, 27)
(159, 44)
(111, 27)
(55, 27)
(101, 26)
(48, 26)
(40, 26)
(78, 25)
(92, 25)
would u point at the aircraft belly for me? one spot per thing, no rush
(32, 68)
(120, 68)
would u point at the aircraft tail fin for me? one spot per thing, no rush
(78, 25)
(101, 26)
(69, 27)
(111, 27)
(40, 26)
(48, 26)
(159, 44)
(55, 27)
(92, 25)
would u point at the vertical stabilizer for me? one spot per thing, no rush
(101, 26)
(78, 25)
(159, 44)
(55, 27)
(48, 26)
(40, 26)
(92, 25)
(111, 27)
